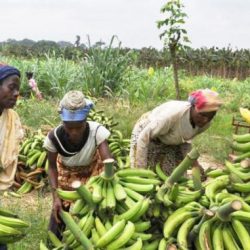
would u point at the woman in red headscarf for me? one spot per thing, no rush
(164, 134)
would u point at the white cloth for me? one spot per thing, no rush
(97, 134)
(11, 134)
(169, 122)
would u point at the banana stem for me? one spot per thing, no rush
(182, 167)
(76, 230)
(83, 192)
(108, 168)
(196, 175)
(225, 211)
(207, 214)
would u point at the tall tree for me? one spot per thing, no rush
(173, 34)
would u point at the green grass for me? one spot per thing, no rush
(34, 209)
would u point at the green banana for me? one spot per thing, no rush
(142, 226)
(111, 234)
(100, 228)
(25, 188)
(123, 238)
(217, 238)
(8, 231)
(41, 159)
(182, 235)
(242, 233)
(13, 222)
(160, 173)
(119, 191)
(139, 187)
(176, 219)
(140, 180)
(136, 246)
(67, 195)
(136, 172)
(228, 240)
(133, 194)
(132, 211)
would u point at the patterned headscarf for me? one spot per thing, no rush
(74, 106)
(6, 71)
(205, 100)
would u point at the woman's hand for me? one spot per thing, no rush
(57, 207)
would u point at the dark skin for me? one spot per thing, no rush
(9, 92)
(75, 131)
(200, 119)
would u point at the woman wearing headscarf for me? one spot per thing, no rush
(10, 127)
(76, 149)
(164, 134)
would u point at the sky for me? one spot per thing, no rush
(210, 22)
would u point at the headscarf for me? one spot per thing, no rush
(6, 71)
(205, 100)
(74, 106)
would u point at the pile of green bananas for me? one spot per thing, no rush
(32, 164)
(172, 212)
(32, 153)
(100, 117)
(12, 229)
(118, 145)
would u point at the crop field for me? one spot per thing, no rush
(122, 93)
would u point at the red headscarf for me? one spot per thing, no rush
(205, 100)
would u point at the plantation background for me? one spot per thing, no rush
(124, 83)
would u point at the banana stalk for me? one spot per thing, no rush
(178, 172)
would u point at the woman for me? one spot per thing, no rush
(10, 127)
(76, 150)
(163, 135)
(33, 85)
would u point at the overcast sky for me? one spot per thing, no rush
(209, 23)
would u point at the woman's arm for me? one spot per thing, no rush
(53, 180)
(104, 150)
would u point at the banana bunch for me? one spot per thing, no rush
(177, 191)
(118, 145)
(245, 113)
(32, 152)
(32, 164)
(100, 117)
(107, 234)
(12, 229)
(124, 190)
(241, 145)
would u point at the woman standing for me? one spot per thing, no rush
(33, 85)
(164, 134)
(76, 150)
(10, 127)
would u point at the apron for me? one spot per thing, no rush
(66, 175)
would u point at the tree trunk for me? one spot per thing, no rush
(175, 70)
